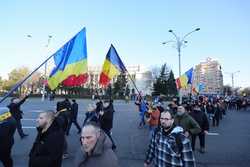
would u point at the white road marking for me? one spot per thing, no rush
(28, 119)
(29, 127)
(36, 111)
(212, 134)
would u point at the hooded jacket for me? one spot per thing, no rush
(171, 148)
(187, 123)
(102, 155)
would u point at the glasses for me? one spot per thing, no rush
(166, 119)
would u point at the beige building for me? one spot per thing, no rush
(210, 75)
(141, 76)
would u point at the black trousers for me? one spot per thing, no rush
(108, 132)
(19, 127)
(75, 123)
(216, 120)
(5, 158)
(201, 138)
(65, 146)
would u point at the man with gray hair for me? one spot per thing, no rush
(47, 149)
(96, 148)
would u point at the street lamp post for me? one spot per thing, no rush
(232, 77)
(180, 42)
(45, 69)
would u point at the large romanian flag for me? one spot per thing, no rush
(184, 79)
(112, 67)
(70, 63)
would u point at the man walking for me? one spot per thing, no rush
(201, 118)
(184, 120)
(47, 149)
(96, 149)
(169, 147)
(7, 131)
(73, 117)
(17, 114)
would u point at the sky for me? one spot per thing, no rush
(135, 28)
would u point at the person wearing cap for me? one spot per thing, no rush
(17, 113)
(201, 118)
(7, 131)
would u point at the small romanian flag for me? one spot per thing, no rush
(70, 63)
(112, 67)
(184, 79)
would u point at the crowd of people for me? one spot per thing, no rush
(173, 130)
(50, 146)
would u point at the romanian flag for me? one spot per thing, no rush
(184, 79)
(112, 66)
(198, 88)
(70, 63)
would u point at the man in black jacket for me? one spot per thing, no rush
(7, 131)
(47, 149)
(73, 117)
(17, 113)
(106, 119)
(201, 118)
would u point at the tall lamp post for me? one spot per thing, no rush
(232, 74)
(180, 42)
(45, 69)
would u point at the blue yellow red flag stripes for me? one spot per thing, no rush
(112, 67)
(184, 79)
(70, 63)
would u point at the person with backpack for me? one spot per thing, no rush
(169, 146)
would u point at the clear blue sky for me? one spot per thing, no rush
(135, 27)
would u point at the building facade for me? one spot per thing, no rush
(209, 74)
(141, 76)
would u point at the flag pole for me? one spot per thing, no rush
(133, 82)
(21, 82)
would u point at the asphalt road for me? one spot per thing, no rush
(227, 146)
